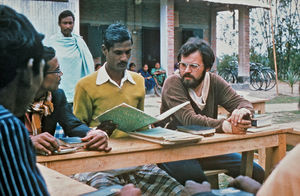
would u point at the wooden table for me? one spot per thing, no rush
(59, 184)
(293, 137)
(133, 152)
(259, 105)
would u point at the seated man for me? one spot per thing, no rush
(205, 91)
(21, 74)
(50, 106)
(110, 86)
(159, 75)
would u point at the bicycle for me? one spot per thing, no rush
(262, 77)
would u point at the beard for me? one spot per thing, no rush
(192, 83)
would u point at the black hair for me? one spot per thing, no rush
(195, 44)
(132, 65)
(19, 42)
(49, 53)
(116, 33)
(65, 14)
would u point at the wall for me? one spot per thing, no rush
(44, 14)
(192, 15)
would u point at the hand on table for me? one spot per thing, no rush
(238, 122)
(246, 184)
(45, 142)
(129, 190)
(96, 140)
(241, 116)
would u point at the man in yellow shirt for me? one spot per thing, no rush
(110, 86)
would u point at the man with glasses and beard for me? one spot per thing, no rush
(205, 91)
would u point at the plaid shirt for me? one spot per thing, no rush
(149, 178)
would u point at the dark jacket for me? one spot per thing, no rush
(64, 116)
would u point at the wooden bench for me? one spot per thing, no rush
(259, 105)
(213, 177)
(59, 184)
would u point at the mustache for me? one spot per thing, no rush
(123, 63)
(188, 75)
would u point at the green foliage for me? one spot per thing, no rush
(286, 22)
(227, 61)
(283, 99)
(291, 78)
(256, 57)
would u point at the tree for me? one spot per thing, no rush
(286, 22)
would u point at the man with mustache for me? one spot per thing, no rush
(205, 91)
(50, 107)
(110, 86)
(73, 54)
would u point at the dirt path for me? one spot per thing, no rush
(283, 88)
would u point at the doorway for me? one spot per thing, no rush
(150, 46)
(187, 33)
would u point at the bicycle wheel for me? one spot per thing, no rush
(270, 74)
(228, 76)
(256, 80)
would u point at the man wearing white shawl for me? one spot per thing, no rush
(73, 54)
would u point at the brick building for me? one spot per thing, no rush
(159, 27)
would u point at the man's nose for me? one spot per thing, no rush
(68, 26)
(188, 69)
(124, 57)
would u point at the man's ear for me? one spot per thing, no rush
(26, 74)
(104, 50)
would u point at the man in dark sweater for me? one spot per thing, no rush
(205, 91)
(50, 107)
(21, 73)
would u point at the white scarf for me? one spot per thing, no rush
(201, 101)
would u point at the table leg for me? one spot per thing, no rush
(247, 163)
(275, 154)
(262, 157)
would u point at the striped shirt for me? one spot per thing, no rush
(19, 174)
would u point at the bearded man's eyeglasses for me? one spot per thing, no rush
(193, 66)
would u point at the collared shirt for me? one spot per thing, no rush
(19, 173)
(103, 77)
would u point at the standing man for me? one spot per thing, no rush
(73, 54)
(205, 91)
(110, 86)
(50, 107)
(21, 73)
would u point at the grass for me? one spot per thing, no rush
(283, 99)
(285, 117)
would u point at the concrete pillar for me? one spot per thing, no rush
(244, 48)
(134, 17)
(167, 35)
(213, 34)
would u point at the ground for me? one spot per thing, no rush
(287, 102)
